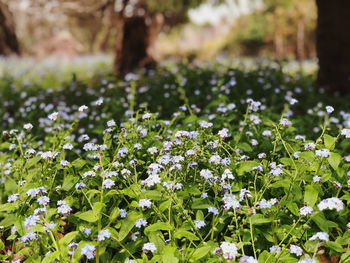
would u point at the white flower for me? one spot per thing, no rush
(230, 202)
(199, 223)
(345, 132)
(108, 183)
(140, 222)
(285, 122)
(296, 250)
(103, 235)
(88, 251)
(149, 247)
(248, 259)
(28, 126)
(331, 203)
(145, 203)
(82, 108)
(307, 260)
(206, 174)
(320, 236)
(275, 249)
(329, 109)
(323, 153)
(306, 210)
(229, 250)
(53, 116)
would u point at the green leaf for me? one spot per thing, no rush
(32, 161)
(345, 257)
(323, 223)
(168, 255)
(334, 160)
(2, 245)
(158, 226)
(259, 219)
(245, 147)
(308, 156)
(88, 216)
(69, 181)
(8, 207)
(78, 163)
(329, 141)
(152, 194)
(334, 246)
(200, 204)
(98, 208)
(264, 256)
(128, 223)
(201, 252)
(51, 258)
(310, 196)
(293, 207)
(164, 205)
(68, 238)
(180, 233)
(246, 166)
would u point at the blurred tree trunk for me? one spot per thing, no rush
(8, 39)
(333, 45)
(301, 40)
(135, 42)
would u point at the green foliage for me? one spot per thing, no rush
(204, 169)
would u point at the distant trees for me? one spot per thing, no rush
(282, 28)
(135, 25)
(8, 39)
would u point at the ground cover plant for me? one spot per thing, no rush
(178, 164)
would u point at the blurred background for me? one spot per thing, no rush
(282, 29)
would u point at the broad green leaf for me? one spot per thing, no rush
(293, 207)
(311, 195)
(8, 207)
(324, 224)
(264, 256)
(345, 257)
(245, 147)
(246, 166)
(68, 238)
(308, 156)
(2, 245)
(69, 181)
(98, 208)
(158, 226)
(199, 215)
(334, 160)
(180, 233)
(201, 252)
(78, 163)
(152, 194)
(168, 255)
(156, 237)
(259, 219)
(329, 141)
(32, 161)
(51, 258)
(128, 224)
(88, 216)
(200, 204)
(164, 205)
(334, 246)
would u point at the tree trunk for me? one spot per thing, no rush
(301, 40)
(135, 42)
(8, 39)
(333, 45)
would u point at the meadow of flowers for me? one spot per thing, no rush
(182, 164)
